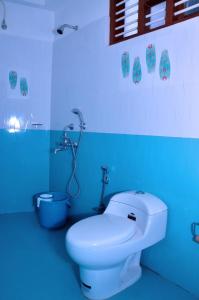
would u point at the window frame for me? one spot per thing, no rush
(144, 8)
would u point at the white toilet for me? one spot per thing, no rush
(107, 247)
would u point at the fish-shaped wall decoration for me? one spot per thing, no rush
(125, 61)
(23, 86)
(137, 71)
(13, 77)
(151, 58)
(165, 66)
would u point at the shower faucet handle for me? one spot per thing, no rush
(65, 140)
(82, 126)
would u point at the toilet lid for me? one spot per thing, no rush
(101, 230)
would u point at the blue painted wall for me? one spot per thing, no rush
(166, 167)
(24, 166)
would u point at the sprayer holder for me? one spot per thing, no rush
(195, 232)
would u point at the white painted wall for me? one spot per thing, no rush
(87, 74)
(37, 2)
(27, 48)
(35, 58)
(81, 13)
(53, 5)
(28, 22)
(29, 2)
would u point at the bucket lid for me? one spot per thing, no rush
(46, 196)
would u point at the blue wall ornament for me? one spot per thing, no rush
(165, 65)
(137, 71)
(13, 79)
(125, 61)
(151, 58)
(24, 86)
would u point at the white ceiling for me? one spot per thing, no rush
(46, 4)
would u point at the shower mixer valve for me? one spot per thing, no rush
(65, 143)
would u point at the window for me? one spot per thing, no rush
(156, 16)
(130, 18)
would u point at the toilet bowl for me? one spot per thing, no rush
(108, 247)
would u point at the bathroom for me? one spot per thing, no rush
(141, 125)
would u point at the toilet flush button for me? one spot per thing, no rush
(132, 216)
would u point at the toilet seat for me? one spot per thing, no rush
(102, 230)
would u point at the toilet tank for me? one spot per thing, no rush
(145, 202)
(147, 210)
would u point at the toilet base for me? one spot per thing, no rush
(104, 283)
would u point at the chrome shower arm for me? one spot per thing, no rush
(60, 30)
(74, 27)
(3, 23)
(4, 9)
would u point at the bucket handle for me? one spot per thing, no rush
(67, 202)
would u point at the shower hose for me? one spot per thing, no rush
(73, 177)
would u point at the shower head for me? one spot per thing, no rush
(60, 30)
(78, 112)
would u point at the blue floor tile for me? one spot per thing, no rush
(34, 266)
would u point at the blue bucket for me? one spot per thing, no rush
(52, 211)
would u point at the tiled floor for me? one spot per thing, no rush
(34, 266)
